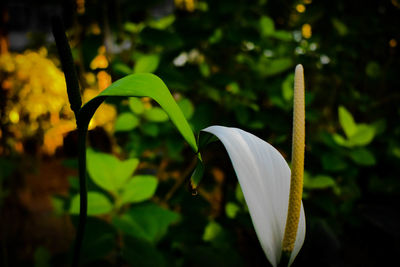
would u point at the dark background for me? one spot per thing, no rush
(235, 68)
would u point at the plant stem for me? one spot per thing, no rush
(68, 66)
(284, 262)
(83, 195)
(75, 100)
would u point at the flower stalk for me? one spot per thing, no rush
(296, 179)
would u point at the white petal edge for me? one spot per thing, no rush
(264, 177)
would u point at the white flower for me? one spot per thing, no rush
(264, 177)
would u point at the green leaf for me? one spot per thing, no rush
(162, 23)
(318, 182)
(287, 88)
(373, 69)
(187, 108)
(347, 122)
(231, 209)
(121, 68)
(147, 63)
(233, 88)
(212, 230)
(141, 85)
(97, 204)
(109, 172)
(125, 122)
(136, 105)
(240, 197)
(363, 156)
(340, 140)
(267, 26)
(148, 221)
(197, 174)
(139, 188)
(270, 67)
(155, 114)
(283, 35)
(340, 27)
(133, 27)
(204, 69)
(216, 36)
(363, 135)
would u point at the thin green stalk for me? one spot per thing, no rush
(83, 195)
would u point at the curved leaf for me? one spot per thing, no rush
(141, 85)
(155, 114)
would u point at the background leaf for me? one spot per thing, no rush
(139, 188)
(347, 122)
(97, 204)
(318, 182)
(126, 122)
(147, 221)
(363, 136)
(267, 26)
(363, 156)
(146, 63)
(187, 108)
(109, 172)
(136, 105)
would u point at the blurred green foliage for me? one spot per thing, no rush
(231, 63)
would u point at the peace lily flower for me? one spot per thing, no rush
(272, 192)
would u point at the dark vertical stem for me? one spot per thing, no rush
(68, 66)
(83, 195)
(74, 97)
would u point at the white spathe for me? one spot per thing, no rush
(264, 177)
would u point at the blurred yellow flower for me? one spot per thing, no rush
(54, 137)
(80, 6)
(105, 114)
(14, 116)
(188, 5)
(104, 80)
(392, 43)
(306, 31)
(100, 61)
(300, 8)
(37, 101)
